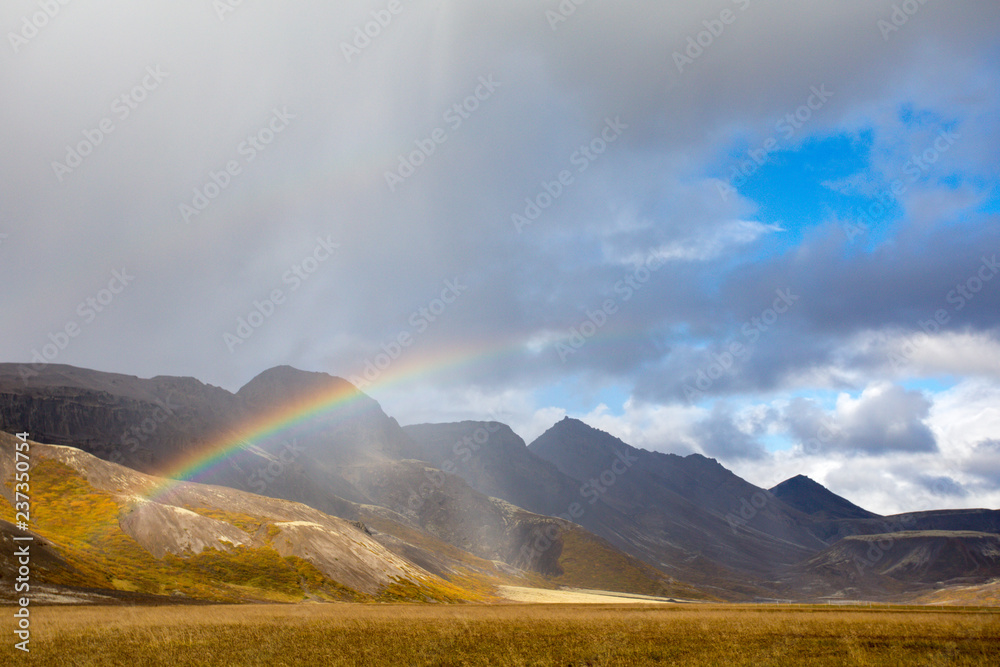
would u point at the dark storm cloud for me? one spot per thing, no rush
(942, 486)
(883, 419)
(351, 120)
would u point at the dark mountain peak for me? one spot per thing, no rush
(344, 426)
(571, 429)
(799, 484)
(576, 439)
(814, 499)
(578, 449)
(438, 441)
(700, 463)
(286, 383)
(289, 375)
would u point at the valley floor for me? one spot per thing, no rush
(577, 596)
(510, 634)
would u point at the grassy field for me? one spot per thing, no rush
(404, 634)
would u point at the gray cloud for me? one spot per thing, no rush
(720, 436)
(653, 190)
(883, 419)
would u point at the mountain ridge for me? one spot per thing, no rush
(573, 498)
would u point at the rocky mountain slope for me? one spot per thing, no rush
(690, 501)
(101, 526)
(342, 457)
(113, 528)
(577, 506)
(909, 563)
(791, 534)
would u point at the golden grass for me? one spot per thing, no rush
(589, 562)
(366, 634)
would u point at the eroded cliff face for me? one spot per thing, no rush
(143, 424)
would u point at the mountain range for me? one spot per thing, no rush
(299, 486)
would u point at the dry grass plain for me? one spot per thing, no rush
(509, 634)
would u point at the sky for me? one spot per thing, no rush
(762, 231)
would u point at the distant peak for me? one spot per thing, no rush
(284, 371)
(285, 382)
(575, 423)
(288, 374)
(801, 482)
(811, 497)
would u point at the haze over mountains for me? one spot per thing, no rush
(458, 507)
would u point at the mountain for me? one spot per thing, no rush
(337, 453)
(817, 501)
(102, 531)
(145, 424)
(461, 505)
(912, 562)
(107, 527)
(494, 460)
(692, 502)
(766, 535)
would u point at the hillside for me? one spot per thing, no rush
(817, 501)
(105, 532)
(918, 562)
(343, 456)
(692, 501)
(109, 527)
(466, 504)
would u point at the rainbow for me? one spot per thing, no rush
(200, 463)
(215, 454)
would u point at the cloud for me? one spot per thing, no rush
(720, 436)
(942, 486)
(884, 418)
(652, 191)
